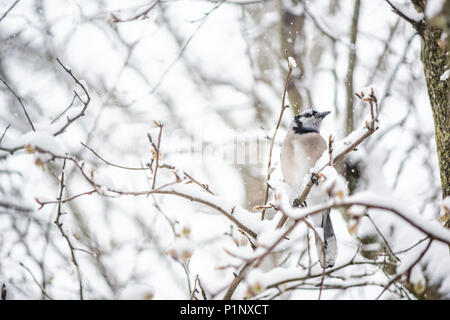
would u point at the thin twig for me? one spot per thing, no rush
(179, 55)
(65, 236)
(188, 277)
(157, 153)
(188, 176)
(66, 109)
(325, 32)
(7, 11)
(20, 101)
(384, 239)
(35, 280)
(14, 207)
(418, 25)
(413, 246)
(398, 276)
(142, 15)
(4, 132)
(85, 103)
(272, 142)
(110, 163)
(44, 203)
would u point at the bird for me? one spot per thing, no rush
(301, 148)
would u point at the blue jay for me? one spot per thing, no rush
(302, 147)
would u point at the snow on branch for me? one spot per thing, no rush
(371, 201)
(408, 14)
(56, 127)
(243, 219)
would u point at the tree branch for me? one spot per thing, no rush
(21, 103)
(272, 141)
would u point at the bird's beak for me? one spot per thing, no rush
(322, 115)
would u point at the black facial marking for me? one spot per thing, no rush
(299, 128)
(302, 130)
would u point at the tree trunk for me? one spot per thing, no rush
(291, 30)
(434, 59)
(350, 126)
(348, 168)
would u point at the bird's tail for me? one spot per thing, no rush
(327, 246)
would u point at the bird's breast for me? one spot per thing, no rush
(298, 155)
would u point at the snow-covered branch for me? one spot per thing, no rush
(56, 127)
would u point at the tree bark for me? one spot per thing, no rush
(350, 126)
(291, 31)
(435, 62)
(435, 59)
(348, 168)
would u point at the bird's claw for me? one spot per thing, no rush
(315, 179)
(297, 203)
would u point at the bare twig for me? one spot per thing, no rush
(179, 55)
(325, 32)
(21, 103)
(44, 292)
(65, 236)
(272, 141)
(206, 14)
(413, 246)
(202, 290)
(398, 276)
(7, 11)
(139, 16)
(66, 109)
(62, 201)
(418, 25)
(188, 276)
(387, 49)
(14, 207)
(110, 163)
(384, 239)
(188, 176)
(157, 152)
(85, 103)
(4, 132)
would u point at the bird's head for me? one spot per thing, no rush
(308, 121)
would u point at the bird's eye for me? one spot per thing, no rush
(308, 115)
